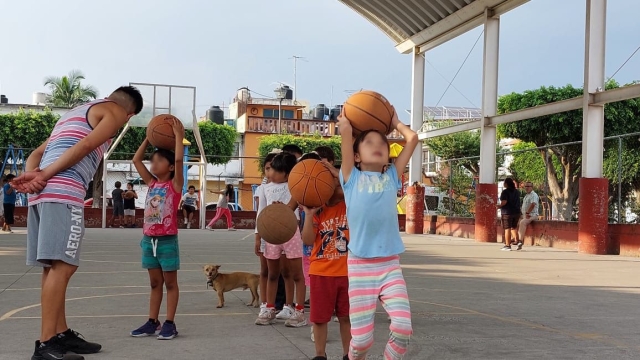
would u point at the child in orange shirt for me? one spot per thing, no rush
(327, 230)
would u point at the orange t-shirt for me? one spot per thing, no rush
(329, 254)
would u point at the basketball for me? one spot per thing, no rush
(369, 110)
(128, 195)
(277, 224)
(160, 132)
(311, 184)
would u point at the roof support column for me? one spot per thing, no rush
(417, 112)
(487, 189)
(594, 189)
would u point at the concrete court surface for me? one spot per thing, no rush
(469, 301)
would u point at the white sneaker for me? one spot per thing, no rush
(286, 313)
(296, 320)
(266, 316)
(185, 221)
(189, 226)
(208, 227)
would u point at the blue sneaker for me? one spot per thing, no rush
(168, 331)
(148, 329)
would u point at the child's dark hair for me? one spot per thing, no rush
(292, 149)
(311, 155)
(267, 159)
(229, 191)
(9, 177)
(326, 152)
(284, 162)
(169, 155)
(192, 187)
(130, 183)
(360, 139)
(118, 184)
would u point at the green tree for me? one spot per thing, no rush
(457, 146)
(527, 164)
(563, 165)
(306, 142)
(26, 129)
(68, 91)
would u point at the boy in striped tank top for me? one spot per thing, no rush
(57, 177)
(160, 251)
(369, 182)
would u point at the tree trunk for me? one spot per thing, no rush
(97, 186)
(564, 195)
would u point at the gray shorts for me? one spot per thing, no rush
(118, 208)
(54, 232)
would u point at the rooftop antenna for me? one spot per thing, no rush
(295, 80)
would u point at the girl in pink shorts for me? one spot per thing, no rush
(278, 191)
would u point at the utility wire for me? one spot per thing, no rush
(623, 64)
(460, 68)
(451, 83)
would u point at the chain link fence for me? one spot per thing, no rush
(554, 172)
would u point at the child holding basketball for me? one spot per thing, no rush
(369, 182)
(160, 252)
(259, 243)
(277, 190)
(326, 230)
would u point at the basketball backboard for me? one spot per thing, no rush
(177, 100)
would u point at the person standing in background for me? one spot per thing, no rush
(8, 203)
(530, 211)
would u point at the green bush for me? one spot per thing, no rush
(307, 143)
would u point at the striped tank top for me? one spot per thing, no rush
(70, 186)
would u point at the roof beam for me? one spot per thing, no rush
(458, 23)
(599, 98)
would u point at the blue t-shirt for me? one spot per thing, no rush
(372, 213)
(8, 198)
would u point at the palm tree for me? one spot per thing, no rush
(68, 91)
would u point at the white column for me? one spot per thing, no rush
(417, 112)
(594, 78)
(489, 98)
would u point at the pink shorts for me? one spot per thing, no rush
(306, 263)
(292, 248)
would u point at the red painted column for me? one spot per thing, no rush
(485, 225)
(593, 219)
(414, 223)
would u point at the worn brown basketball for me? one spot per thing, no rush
(277, 224)
(311, 184)
(368, 110)
(128, 195)
(160, 132)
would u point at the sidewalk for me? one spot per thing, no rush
(469, 301)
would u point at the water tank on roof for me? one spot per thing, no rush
(320, 111)
(216, 115)
(335, 112)
(39, 98)
(243, 95)
(289, 93)
(4, 99)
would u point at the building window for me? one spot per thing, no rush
(271, 113)
(236, 150)
(429, 161)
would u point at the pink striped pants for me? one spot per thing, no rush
(371, 280)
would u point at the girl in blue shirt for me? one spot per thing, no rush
(370, 186)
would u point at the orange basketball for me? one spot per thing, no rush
(311, 184)
(277, 224)
(369, 110)
(160, 132)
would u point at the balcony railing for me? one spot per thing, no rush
(300, 127)
(295, 127)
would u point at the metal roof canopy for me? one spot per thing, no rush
(427, 23)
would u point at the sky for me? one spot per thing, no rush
(220, 46)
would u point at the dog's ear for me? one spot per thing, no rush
(218, 267)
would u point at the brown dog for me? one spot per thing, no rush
(222, 283)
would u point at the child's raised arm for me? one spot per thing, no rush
(178, 177)
(144, 173)
(346, 141)
(411, 139)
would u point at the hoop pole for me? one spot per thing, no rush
(104, 191)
